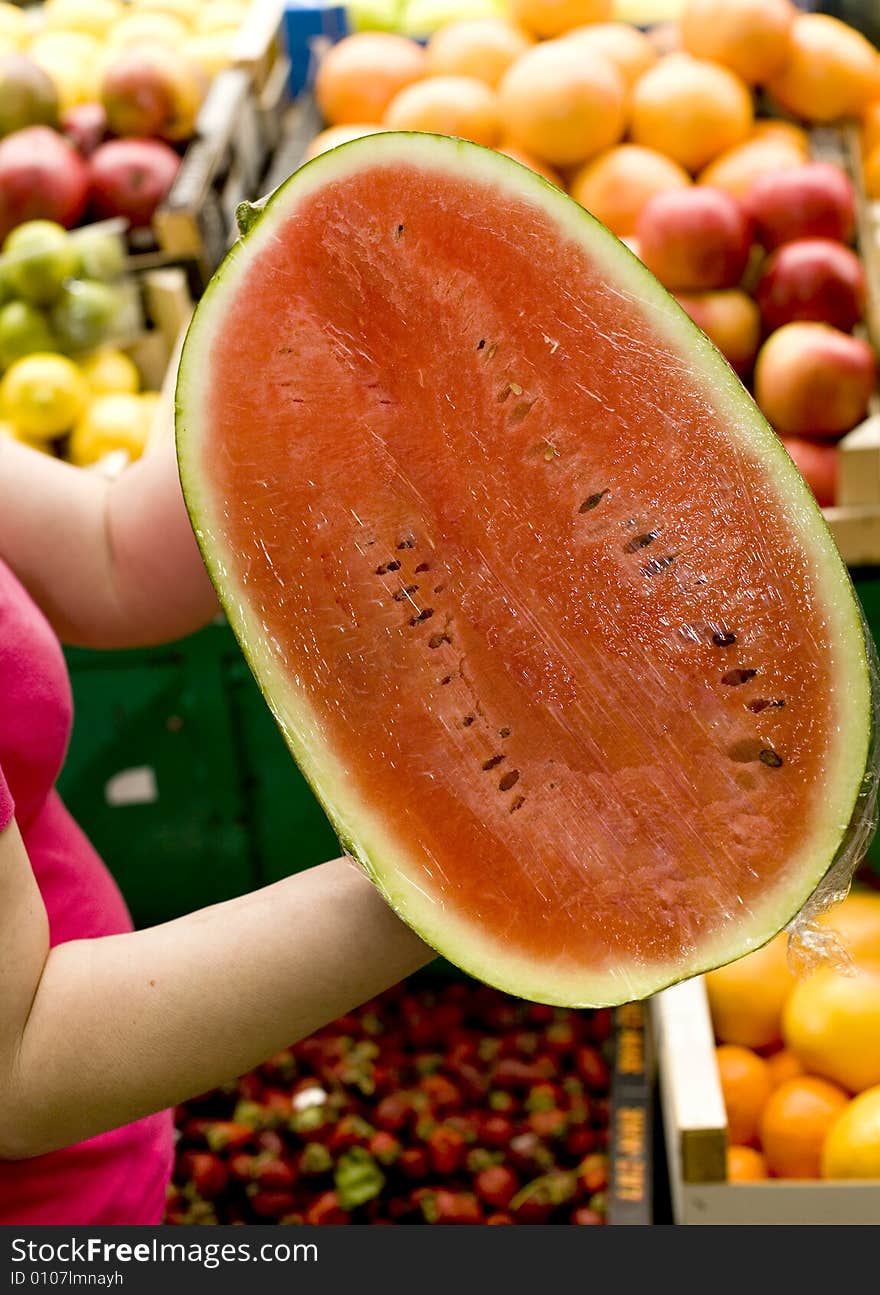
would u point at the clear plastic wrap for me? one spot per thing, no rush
(543, 610)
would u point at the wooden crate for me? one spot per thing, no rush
(695, 1127)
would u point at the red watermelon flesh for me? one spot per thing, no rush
(543, 609)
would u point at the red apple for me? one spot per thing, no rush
(815, 200)
(813, 380)
(85, 125)
(130, 177)
(815, 279)
(730, 319)
(149, 90)
(694, 239)
(817, 464)
(42, 177)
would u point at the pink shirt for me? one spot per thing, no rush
(119, 1177)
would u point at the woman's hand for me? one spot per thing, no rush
(111, 563)
(99, 1032)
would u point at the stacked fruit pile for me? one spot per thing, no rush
(657, 136)
(799, 1055)
(96, 99)
(449, 1104)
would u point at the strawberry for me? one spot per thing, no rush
(579, 1140)
(441, 1092)
(592, 1173)
(541, 1014)
(227, 1135)
(414, 1163)
(499, 1217)
(205, 1172)
(495, 1131)
(539, 1198)
(543, 1097)
(326, 1210)
(385, 1147)
(273, 1173)
(241, 1166)
(270, 1204)
(446, 1148)
(601, 1024)
(586, 1217)
(451, 1207)
(548, 1124)
(351, 1131)
(497, 1186)
(393, 1112)
(592, 1068)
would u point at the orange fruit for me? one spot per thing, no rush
(795, 1124)
(626, 47)
(553, 17)
(852, 1148)
(787, 131)
(690, 109)
(562, 104)
(616, 185)
(745, 1086)
(782, 1066)
(541, 168)
(360, 75)
(447, 105)
(751, 37)
(871, 127)
(479, 47)
(736, 170)
(872, 173)
(832, 71)
(333, 136)
(856, 922)
(831, 1023)
(746, 997)
(745, 1165)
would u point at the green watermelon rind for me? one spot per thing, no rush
(360, 830)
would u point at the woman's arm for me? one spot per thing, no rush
(99, 1032)
(111, 563)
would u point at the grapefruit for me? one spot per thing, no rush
(832, 1024)
(616, 185)
(691, 110)
(751, 37)
(476, 47)
(358, 77)
(832, 71)
(447, 105)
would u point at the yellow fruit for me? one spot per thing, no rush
(480, 47)
(186, 10)
(553, 17)
(12, 433)
(73, 60)
(831, 1023)
(148, 28)
(114, 422)
(690, 109)
(211, 52)
(43, 394)
(856, 922)
(746, 997)
(751, 37)
(562, 104)
(94, 17)
(447, 105)
(626, 47)
(109, 372)
(14, 30)
(852, 1147)
(832, 71)
(221, 16)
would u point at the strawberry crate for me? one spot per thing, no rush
(695, 1126)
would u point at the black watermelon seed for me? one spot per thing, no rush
(517, 803)
(467, 721)
(422, 616)
(723, 638)
(504, 732)
(407, 543)
(770, 758)
(640, 542)
(404, 593)
(592, 501)
(510, 779)
(447, 678)
(423, 566)
(492, 762)
(765, 703)
(734, 678)
(437, 640)
(481, 343)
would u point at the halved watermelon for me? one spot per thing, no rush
(544, 610)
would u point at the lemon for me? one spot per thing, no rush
(219, 16)
(14, 31)
(95, 17)
(43, 394)
(831, 1023)
(73, 61)
(148, 28)
(852, 1147)
(112, 422)
(110, 372)
(9, 431)
(186, 10)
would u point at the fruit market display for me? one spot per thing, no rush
(66, 306)
(432, 1104)
(799, 1055)
(537, 624)
(666, 138)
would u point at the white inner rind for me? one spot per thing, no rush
(366, 832)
